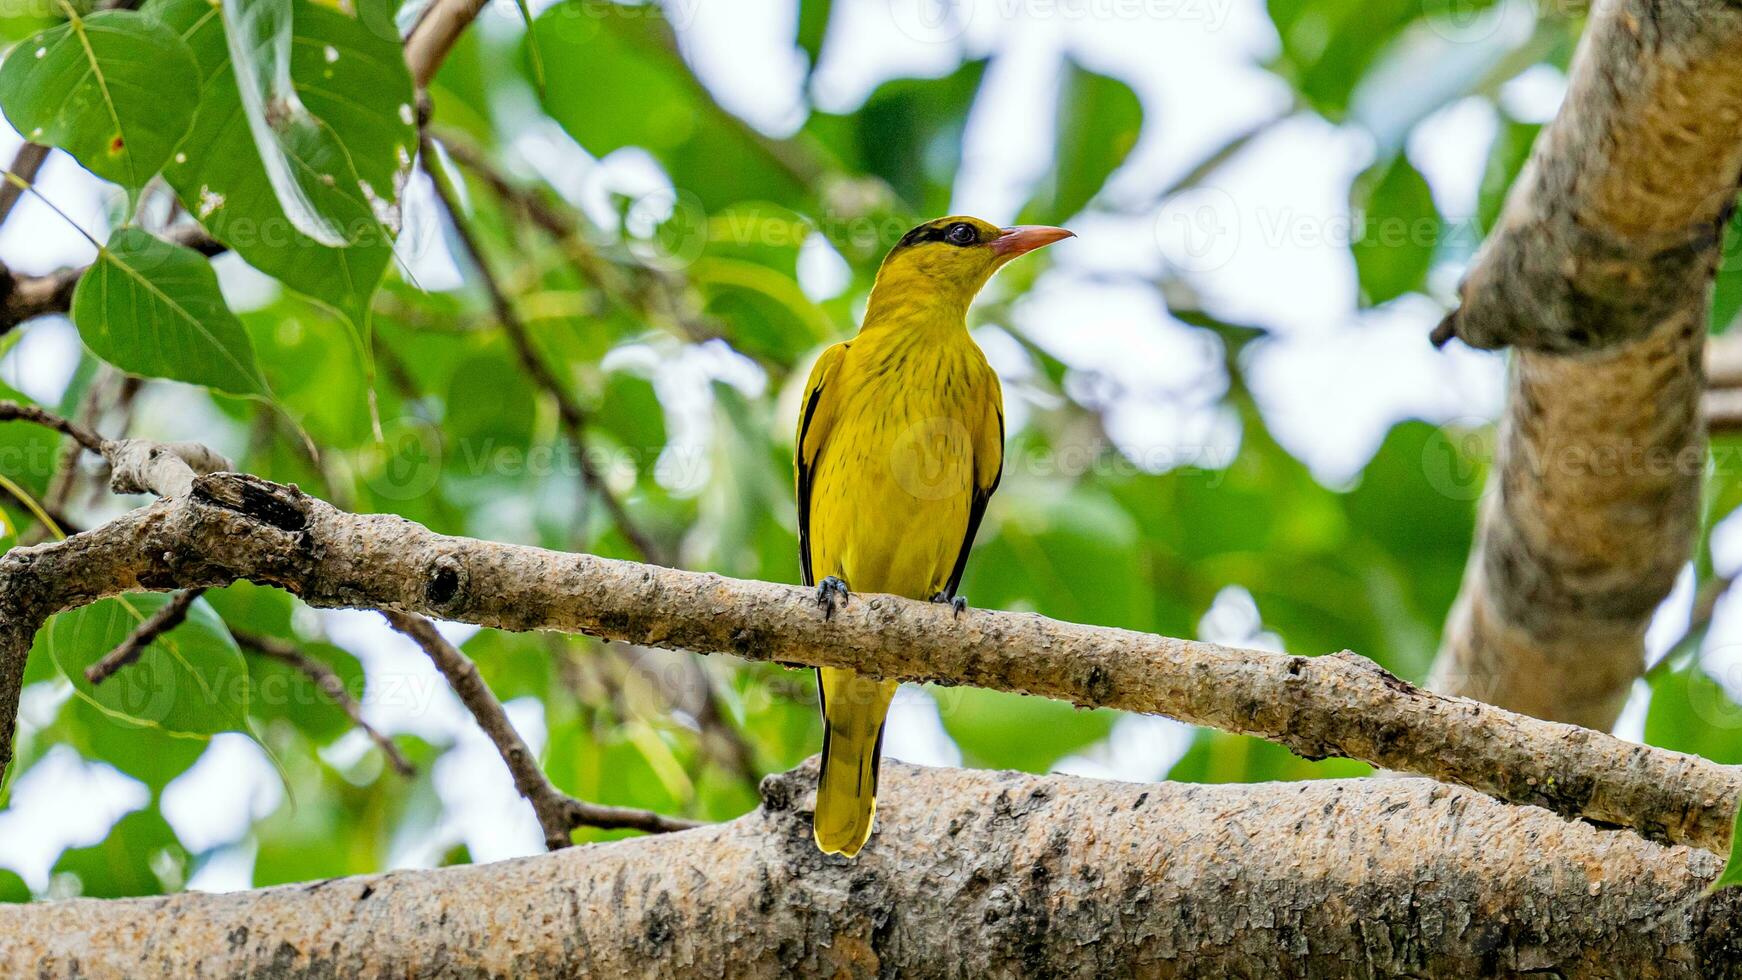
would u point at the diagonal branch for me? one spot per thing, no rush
(234, 527)
(558, 813)
(1599, 273)
(332, 685)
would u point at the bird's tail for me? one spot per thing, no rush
(854, 708)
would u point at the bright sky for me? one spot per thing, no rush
(1265, 242)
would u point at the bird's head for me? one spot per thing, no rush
(949, 259)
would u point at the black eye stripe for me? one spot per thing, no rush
(941, 233)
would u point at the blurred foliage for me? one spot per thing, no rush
(679, 322)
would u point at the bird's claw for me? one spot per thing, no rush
(958, 603)
(827, 590)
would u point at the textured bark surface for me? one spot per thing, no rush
(239, 527)
(1599, 272)
(975, 874)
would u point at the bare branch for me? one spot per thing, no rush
(26, 163)
(167, 617)
(574, 419)
(653, 293)
(239, 527)
(558, 813)
(331, 685)
(976, 874)
(440, 26)
(167, 469)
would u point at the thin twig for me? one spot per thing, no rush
(167, 617)
(26, 163)
(85, 436)
(330, 684)
(558, 813)
(441, 24)
(674, 305)
(573, 418)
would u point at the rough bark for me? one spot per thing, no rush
(1599, 272)
(239, 527)
(975, 874)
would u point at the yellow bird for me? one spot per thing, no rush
(900, 445)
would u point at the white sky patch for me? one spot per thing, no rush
(1535, 95)
(822, 273)
(43, 359)
(231, 785)
(1266, 240)
(915, 730)
(1450, 148)
(422, 248)
(63, 801)
(1331, 398)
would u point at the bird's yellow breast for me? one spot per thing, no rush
(893, 484)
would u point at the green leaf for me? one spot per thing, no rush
(12, 887)
(1099, 119)
(8, 532)
(1727, 289)
(1000, 730)
(257, 34)
(813, 26)
(1691, 712)
(1400, 228)
(636, 91)
(128, 862)
(1506, 158)
(191, 681)
(281, 691)
(909, 133)
(356, 139)
(116, 89)
(1732, 873)
(148, 754)
(153, 308)
(1223, 757)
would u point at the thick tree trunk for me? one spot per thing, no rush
(975, 874)
(1599, 272)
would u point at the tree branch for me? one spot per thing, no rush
(332, 685)
(558, 813)
(167, 617)
(234, 527)
(1599, 273)
(437, 29)
(26, 164)
(975, 874)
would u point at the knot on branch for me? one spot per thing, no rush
(782, 791)
(1554, 285)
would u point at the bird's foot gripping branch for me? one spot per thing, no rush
(231, 527)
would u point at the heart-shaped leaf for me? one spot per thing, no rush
(153, 308)
(190, 681)
(116, 89)
(351, 143)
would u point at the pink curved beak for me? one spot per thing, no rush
(1023, 239)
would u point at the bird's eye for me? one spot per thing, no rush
(961, 233)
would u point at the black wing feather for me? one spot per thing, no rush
(976, 510)
(804, 488)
